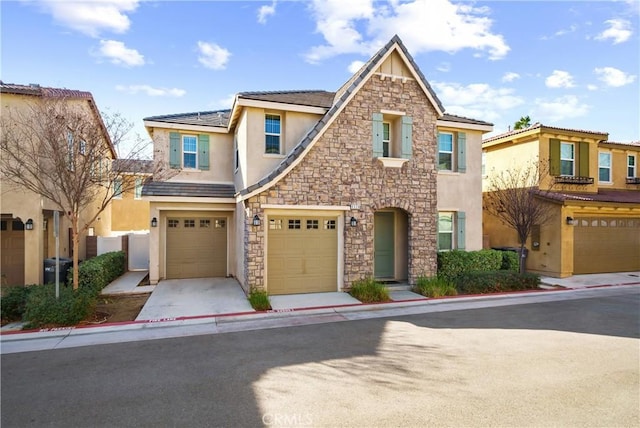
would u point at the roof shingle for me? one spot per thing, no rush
(201, 190)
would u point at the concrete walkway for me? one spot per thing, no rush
(593, 280)
(128, 284)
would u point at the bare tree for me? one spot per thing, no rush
(514, 198)
(61, 150)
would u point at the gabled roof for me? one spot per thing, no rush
(314, 98)
(201, 190)
(340, 100)
(540, 127)
(218, 118)
(620, 143)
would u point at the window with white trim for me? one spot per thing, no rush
(138, 188)
(445, 231)
(567, 159)
(631, 166)
(604, 167)
(386, 138)
(445, 151)
(272, 134)
(190, 151)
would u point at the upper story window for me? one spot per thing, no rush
(138, 188)
(604, 167)
(452, 147)
(272, 134)
(386, 138)
(117, 188)
(236, 155)
(631, 166)
(567, 159)
(189, 151)
(392, 136)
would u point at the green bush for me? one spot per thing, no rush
(369, 290)
(42, 308)
(259, 300)
(96, 273)
(453, 263)
(510, 261)
(13, 302)
(495, 282)
(434, 287)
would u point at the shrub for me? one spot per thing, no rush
(496, 281)
(96, 273)
(13, 303)
(42, 308)
(453, 263)
(434, 287)
(259, 300)
(369, 290)
(510, 261)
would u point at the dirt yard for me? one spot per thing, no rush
(117, 308)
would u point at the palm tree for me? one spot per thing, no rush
(524, 122)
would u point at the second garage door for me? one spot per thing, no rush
(196, 247)
(602, 244)
(302, 254)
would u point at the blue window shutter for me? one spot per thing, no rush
(203, 152)
(407, 137)
(377, 135)
(462, 152)
(461, 217)
(175, 150)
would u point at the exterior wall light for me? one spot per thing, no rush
(256, 220)
(353, 222)
(570, 221)
(154, 222)
(29, 224)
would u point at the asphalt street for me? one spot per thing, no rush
(565, 363)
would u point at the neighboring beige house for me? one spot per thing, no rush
(129, 212)
(27, 218)
(594, 189)
(308, 191)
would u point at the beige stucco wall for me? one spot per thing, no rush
(129, 214)
(462, 191)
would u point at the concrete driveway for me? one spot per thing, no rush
(194, 297)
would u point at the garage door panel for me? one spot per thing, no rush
(604, 244)
(301, 260)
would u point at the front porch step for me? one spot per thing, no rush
(398, 286)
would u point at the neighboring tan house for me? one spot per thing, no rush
(308, 191)
(129, 212)
(594, 188)
(27, 218)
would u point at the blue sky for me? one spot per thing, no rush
(565, 64)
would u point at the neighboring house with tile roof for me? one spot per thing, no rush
(594, 187)
(308, 191)
(27, 218)
(129, 212)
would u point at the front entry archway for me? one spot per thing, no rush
(390, 243)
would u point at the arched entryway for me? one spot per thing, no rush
(391, 244)
(12, 251)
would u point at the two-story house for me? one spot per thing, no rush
(27, 218)
(129, 212)
(307, 191)
(593, 186)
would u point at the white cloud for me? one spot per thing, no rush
(424, 25)
(223, 103)
(614, 77)
(559, 79)
(444, 67)
(619, 31)
(117, 53)
(151, 91)
(559, 109)
(510, 76)
(355, 66)
(265, 11)
(592, 87)
(213, 56)
(477, 100)
(91, 17)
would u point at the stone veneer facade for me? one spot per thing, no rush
(340, 170)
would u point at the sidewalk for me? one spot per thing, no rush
(68, 337)
(593, 280)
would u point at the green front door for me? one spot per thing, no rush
(384, 263)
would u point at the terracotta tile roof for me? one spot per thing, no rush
(539, 125)
(202, 190)
(603, 195)
(37, 90)
(218, 118)
(619, 143)
(314, 98)
(133, 165)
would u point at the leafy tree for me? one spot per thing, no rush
(522, 123)
(514, 198)
(60, 149)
